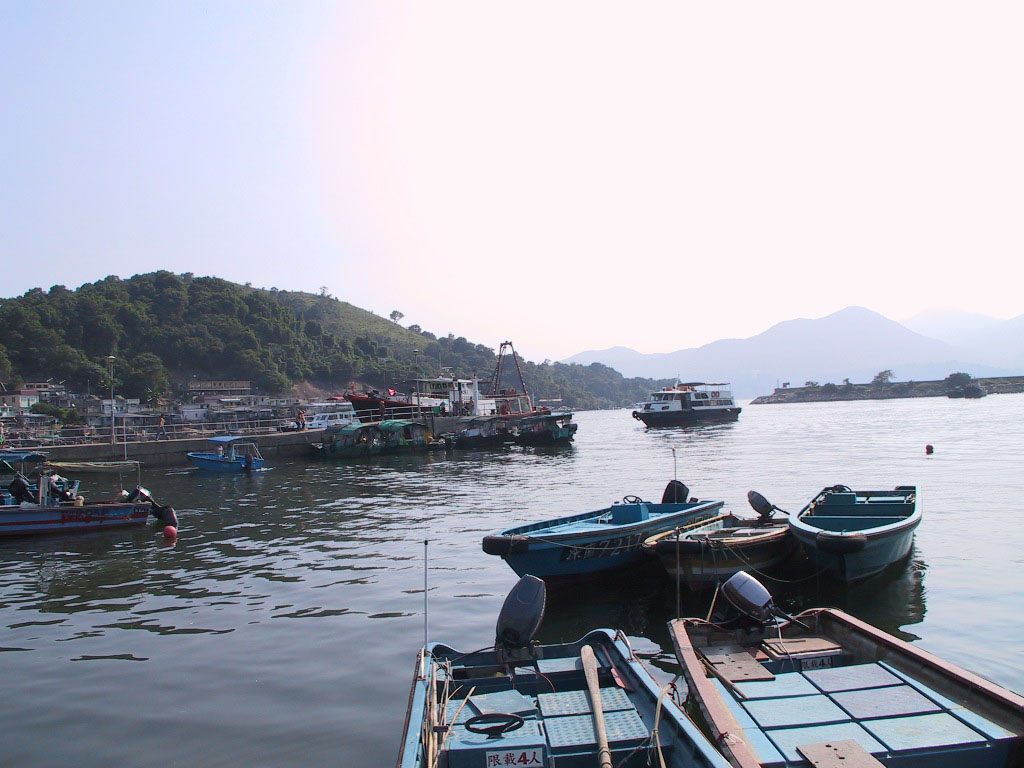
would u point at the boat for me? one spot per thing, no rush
(707, 552)
(233, 454)
(592, 702)
(403, 435)
(829, 689)
(350, 440)
(970, 391)
(691, 403)
(54, 504)
(546, 429)
(377, 406)
(482, 432)
(590, 542)
(855, 534)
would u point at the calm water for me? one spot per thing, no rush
(282, 627)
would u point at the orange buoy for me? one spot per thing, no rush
(170, 532)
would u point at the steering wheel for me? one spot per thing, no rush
(494, 725)
(841, 489)
(632, 500)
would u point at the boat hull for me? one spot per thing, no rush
(863, 542)
(579, 546)
(212, 462)
(677, 418)
(701, 563)
(33, 519)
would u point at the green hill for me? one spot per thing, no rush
(165, 328)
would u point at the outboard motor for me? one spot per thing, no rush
(675, 493)
(764, 508)
(20, 489)
(139, 494)
(749, 596)
(164, 514)
(520, 618)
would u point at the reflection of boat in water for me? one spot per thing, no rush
(706, 552)
(690, 403)
(828, 688)
(856, 534)
(561, 705)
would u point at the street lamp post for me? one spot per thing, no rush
(110, 372)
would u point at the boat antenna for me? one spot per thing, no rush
(674, 464)
(425, 624)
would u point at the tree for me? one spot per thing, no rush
(959, 379)
(396, 315)
(810, 383)
(829, 389)
(883, 378)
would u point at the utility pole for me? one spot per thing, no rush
(110, 372)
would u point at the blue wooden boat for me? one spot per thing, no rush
(53, 504)
(856, 534)
(523, 704)
(826, 689)
(589, 542)
(233, 454)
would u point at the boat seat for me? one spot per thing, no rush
(849, 522)
(844, 753)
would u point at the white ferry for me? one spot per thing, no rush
(688, 403)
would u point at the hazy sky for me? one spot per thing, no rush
(567, 175)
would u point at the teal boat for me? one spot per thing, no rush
(349, 441)
(546, 429)
(401, 435)
(579, 704)
(855, 534)
(232, 454)
(825, 689)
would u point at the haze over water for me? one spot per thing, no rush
(282, 627)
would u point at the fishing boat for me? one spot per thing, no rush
(402, 435)
(47, 502)
(232, 454)
(590, 542)
(546, 429)
(482, 432)
(592, 702)
(691, 403)
(826, 689)
(350, 440)
(855, 534)
(707, 552)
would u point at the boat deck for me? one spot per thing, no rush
(888, 713)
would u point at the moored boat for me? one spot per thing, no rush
(589, 542)
(54, 504)
(707, 552)
(826, 689)
(690, 403)
(350, 440)
(482, 432)
(232, 454)
(402, 435)
(546, 429)
(592, 702)
(855, 534)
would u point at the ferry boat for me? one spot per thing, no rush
(688, 403)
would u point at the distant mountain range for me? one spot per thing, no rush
(853, 343)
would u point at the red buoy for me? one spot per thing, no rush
(170, 532)
(929, 450)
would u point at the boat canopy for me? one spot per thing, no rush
(228, 439)
(391, 425)
(22, 456)
(112, 467)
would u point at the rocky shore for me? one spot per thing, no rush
(899, 389)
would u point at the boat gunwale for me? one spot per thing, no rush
(807, 531)
(522, 531)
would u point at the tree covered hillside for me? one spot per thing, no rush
(165, 328)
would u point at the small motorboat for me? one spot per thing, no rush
(232, 454)
(590, 542)
(592, 702)
(855, 534)
(707, 552)
(826, 689)
(53, 503)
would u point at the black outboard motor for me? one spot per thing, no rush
(56, 492)
(675, 493)
(20, 489)
(164, 514)
(762, 506)
(519, 620)
(755, 604)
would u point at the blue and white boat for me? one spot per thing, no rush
(587, 703)
(856, 534)
(232, 454)
(823, 688)
(590, 542)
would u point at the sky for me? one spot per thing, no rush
(566, 175)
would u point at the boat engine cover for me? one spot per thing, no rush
(521, 614)
(749, 596)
